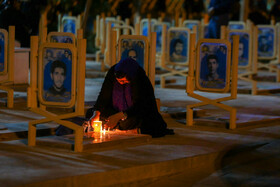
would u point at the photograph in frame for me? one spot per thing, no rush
(3, 51)
(212, 71)
(178, 45)
(266, 38)
(57, 75)
(69, 25)
(243, 48)
(133, 48)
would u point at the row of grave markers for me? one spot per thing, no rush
(178, 38)
(74, 74)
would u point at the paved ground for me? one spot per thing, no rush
(206, 154)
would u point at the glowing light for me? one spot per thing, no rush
(97, 125)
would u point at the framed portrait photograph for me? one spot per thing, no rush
(57, 74)
(69, 24)
(144, 26)
(178, 45)
(213, 65)
(158, 29)
(266, 41)
(61, 37)
(136, 47)
(244, 49)
(236, 25)
(3, 51)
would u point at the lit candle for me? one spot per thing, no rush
(97, 125)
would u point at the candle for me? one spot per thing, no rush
(97, 125)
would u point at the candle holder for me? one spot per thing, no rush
(97, 126)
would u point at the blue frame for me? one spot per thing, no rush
(266, 42)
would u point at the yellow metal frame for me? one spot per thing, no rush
(213, 41)
(246, 72)
(61, 34)
(206, 101)
(249, 32)
(33, 96)
(5, 33)
(9, 76)
(111, 39)
(103, 36)
(41, 74)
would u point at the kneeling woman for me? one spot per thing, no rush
(127, 101)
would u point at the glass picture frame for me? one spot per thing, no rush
(136, 47)
(178, 45)
(266, 42)
(213, 65)
(69, 24)
(61, 37)
(57, 74)
(244, 48)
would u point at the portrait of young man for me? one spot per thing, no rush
(57, 92)
(212, 79)
(177, 51)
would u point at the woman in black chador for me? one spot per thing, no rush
(127, 101)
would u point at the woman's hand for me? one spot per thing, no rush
(114, 119)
